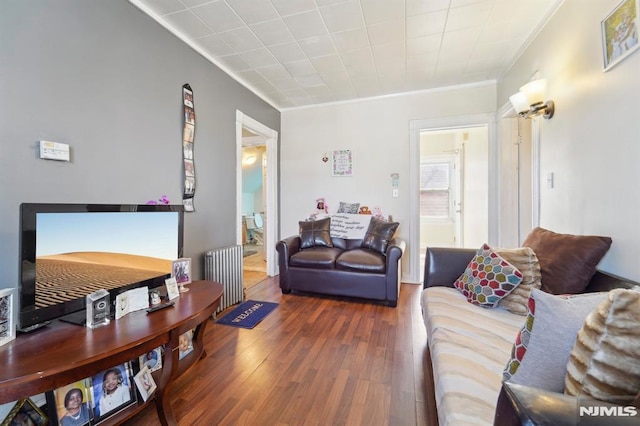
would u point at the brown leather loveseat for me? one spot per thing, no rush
(365, 268)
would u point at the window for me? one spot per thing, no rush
(435, 190)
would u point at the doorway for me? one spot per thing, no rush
(253, 208)
(453, 185)
(256, 196)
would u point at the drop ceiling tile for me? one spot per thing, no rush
(162, 7)
(321, 3)
(306, 24)
(459, 42)
(327, 63)
(419, 7)
(288, 52)
(274, 72)
(336, 78)
(285, 84)
(319, 91)
(192, 3)
(346, 41)
(259, 58)
(290, 7)
(298, 68)
(218, 16)
(426, 24)
(310, 80)
(467, 17)
(272, 32)
(389, 53)
(253, 11)
(343, 16)
(427, 44)
(358, 60)
(376, 11)
(214, 45)
(318, 46)
(387, 32)
(187, 24)
(234, 63)
(241, 39)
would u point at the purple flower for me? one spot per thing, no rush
(163, 200)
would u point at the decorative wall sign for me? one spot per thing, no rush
(342, 162)
(188, 135)
(7, 326)
(620, 33)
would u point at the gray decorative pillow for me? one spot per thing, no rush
(351, 208)
(315, 233)
(378, 235)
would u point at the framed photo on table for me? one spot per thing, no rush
(7, 325)
(26, 412)
(181, 270)
(620, 33)
(72, 403)
(112, 391)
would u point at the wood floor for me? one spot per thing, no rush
(254, 268)
(313, 361)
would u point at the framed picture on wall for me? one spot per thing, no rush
(7, 326)
(620, 33)
(342, 162)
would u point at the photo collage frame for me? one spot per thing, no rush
(188, 136)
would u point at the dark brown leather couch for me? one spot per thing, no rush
(517, 404)
(342, 270)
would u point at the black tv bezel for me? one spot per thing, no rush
(28, 316)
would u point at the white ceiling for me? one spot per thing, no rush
(302, 52)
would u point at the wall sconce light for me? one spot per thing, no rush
(529, 101)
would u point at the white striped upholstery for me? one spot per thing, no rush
(469, 347)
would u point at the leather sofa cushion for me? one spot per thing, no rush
(360, 260)
(316, 257)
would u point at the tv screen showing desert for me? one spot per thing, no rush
(79, 253)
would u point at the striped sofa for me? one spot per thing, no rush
(468, 347)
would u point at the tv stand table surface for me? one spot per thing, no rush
(62, 353)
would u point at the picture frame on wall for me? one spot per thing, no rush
(26, 412)
(620, 33)
(7, 325)
(342, 162)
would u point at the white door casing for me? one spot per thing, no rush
(271, 186)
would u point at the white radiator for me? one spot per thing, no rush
(224, 265)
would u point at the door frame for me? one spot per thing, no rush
(415, 127)
(271, 201)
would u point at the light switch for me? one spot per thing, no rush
(550, 180)
(394, 192)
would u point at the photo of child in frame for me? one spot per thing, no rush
(111, 390)
(72, 403)
(152, 360)
(185, 344)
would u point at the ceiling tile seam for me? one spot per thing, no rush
(476, 41)
(442, 40)
(238, 53)
(205, 54)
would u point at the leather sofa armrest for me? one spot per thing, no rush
(286, 248)
(395, 250)
(443, 265)
(525, 405)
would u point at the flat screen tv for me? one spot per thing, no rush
(71, 250)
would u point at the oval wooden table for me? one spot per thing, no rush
(63, 353)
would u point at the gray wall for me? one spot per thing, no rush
(106, 79)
